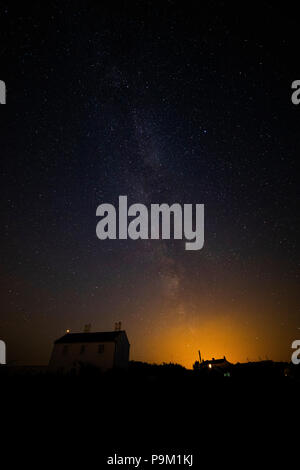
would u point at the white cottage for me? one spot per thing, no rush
(105, 350)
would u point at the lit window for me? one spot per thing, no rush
(82, 349)
(65, 350)
(100, 348)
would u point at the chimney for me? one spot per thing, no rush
(118, 326)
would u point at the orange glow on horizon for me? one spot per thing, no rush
(216, 338)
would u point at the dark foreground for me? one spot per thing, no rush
(245, 417)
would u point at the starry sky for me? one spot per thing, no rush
(167, 101)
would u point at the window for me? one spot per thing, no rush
(100, 348)
(82, 349)
(65, 350)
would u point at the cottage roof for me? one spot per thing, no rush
(95, 337)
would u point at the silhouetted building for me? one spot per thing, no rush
(104, 350)
(220, 365)
(216, 363)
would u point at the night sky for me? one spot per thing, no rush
(186, 102)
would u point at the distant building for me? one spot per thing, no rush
(105, 350)
(219, 365)
(216, 363)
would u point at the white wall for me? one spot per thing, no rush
(122, 351)
(104, 360)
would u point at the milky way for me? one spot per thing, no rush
(177, 103)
